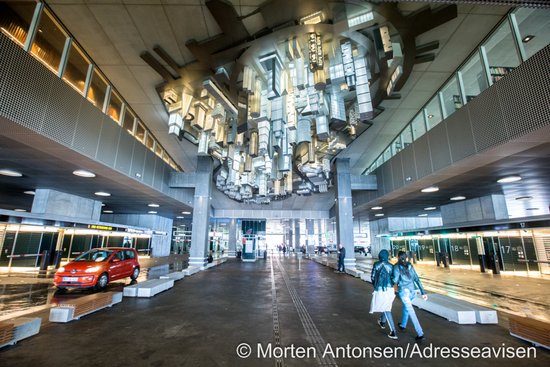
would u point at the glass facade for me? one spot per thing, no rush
(115, 107)
(49, 42)
(522, 33)
(76, 69)
(15, 19)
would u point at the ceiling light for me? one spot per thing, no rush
(457, 198)
(19, 210)
(180, 217)
(102, 193)
(314, 18)
(376, 208)
(430, 189)
(153, 205)
(83, 173)
(152, 212)
(430, 208)
(527, 38)
(509, 179)
(430, 116)
(11, 173)
(107, 211)
(29, 192)
(423, 215)
(524, 197)
(379, 215)
(186, 213)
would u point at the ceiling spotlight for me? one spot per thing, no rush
(29, 192)
(152, 212)
(102, 193)
(186, 213)
(83, 173)
(457, 198)
(527, 38)
(423, 215)
(379, 215)
(524, 197)
(108, 211)
(376, 208)
(509, 179)
(153, 205)
(179, 217)
(430, 116)
(430, 189)
(11, 173)
(19, 210)
(430, 208)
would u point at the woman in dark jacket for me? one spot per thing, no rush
(406, 279)
(383, 295)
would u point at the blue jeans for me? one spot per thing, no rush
(387, 316)
(341, 266)
(407, 296)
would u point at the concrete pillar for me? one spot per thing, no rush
(344, 210)
(310, 231)
(297, 233)
(58, 203)
(289, 235)
(201, 212)
(232, 245)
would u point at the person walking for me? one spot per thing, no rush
(341, 257)
(384, 294)
(405, 277)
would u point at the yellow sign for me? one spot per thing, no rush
(96, 226)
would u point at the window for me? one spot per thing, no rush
(76, 69)
(418, 126)
(15, 19)
(49, 42)
(502, 54)
(158, 149)
(115, 106)
(406, 136)
(452, 100)
(128, 123)
(474, 80)
(129, 254)
(149, 141)
(140, 132)
(98, 88)
(387, 154)
(397, 145)
(533, 27)
(433, 112)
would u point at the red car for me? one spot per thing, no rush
(97, 267)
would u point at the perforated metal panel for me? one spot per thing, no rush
(397, 171)
(388, 177)
(439, 147)
(459, 131)
(124, 149)
(138, 160)
(422, 156)
(149, 168)
(108, 141)
(61, 112)
(409, 164)
(21, 77)
(525, 95)
(487, 120)
(159, 174)
(88, 127)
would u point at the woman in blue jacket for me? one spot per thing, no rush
(383, 295)
(405, 277)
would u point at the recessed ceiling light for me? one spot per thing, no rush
(524, 197)
(107, 211)
(19, 210)
(102, 193)
(430, 189)
(379, 215)
(153, 205)
(509, 179)
(527, 38)
(430, 116)
(180, 217)
(11, 173)
(430, 208)
(83, 173)
(423, 215)
(376, 208)
(532, 209)
(186, 213)
(152, 212)
(457, 198)
(29, 192)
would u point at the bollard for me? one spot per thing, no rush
(44, 260)
(57, 258)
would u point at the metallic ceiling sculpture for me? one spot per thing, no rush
(284, 89)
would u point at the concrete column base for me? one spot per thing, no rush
(197, 261)
(232, 254)
(349, 263)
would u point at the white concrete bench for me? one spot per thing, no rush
(446, 308)
(177, 275)
(149, 288)
(74, 309)
(191, 270)
(354, 272)
(484, 315)
(366, 277)
(14, 330)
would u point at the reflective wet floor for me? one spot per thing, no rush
(268, 313)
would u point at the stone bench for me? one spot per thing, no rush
(354, 272)
(446, 308)
(534, 331)
(14, 330)
(484, 315)
(177, 275)
(366, 277)
(74, 309)
(191, 270)
(149, 288)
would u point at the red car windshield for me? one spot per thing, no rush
(94, 255)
